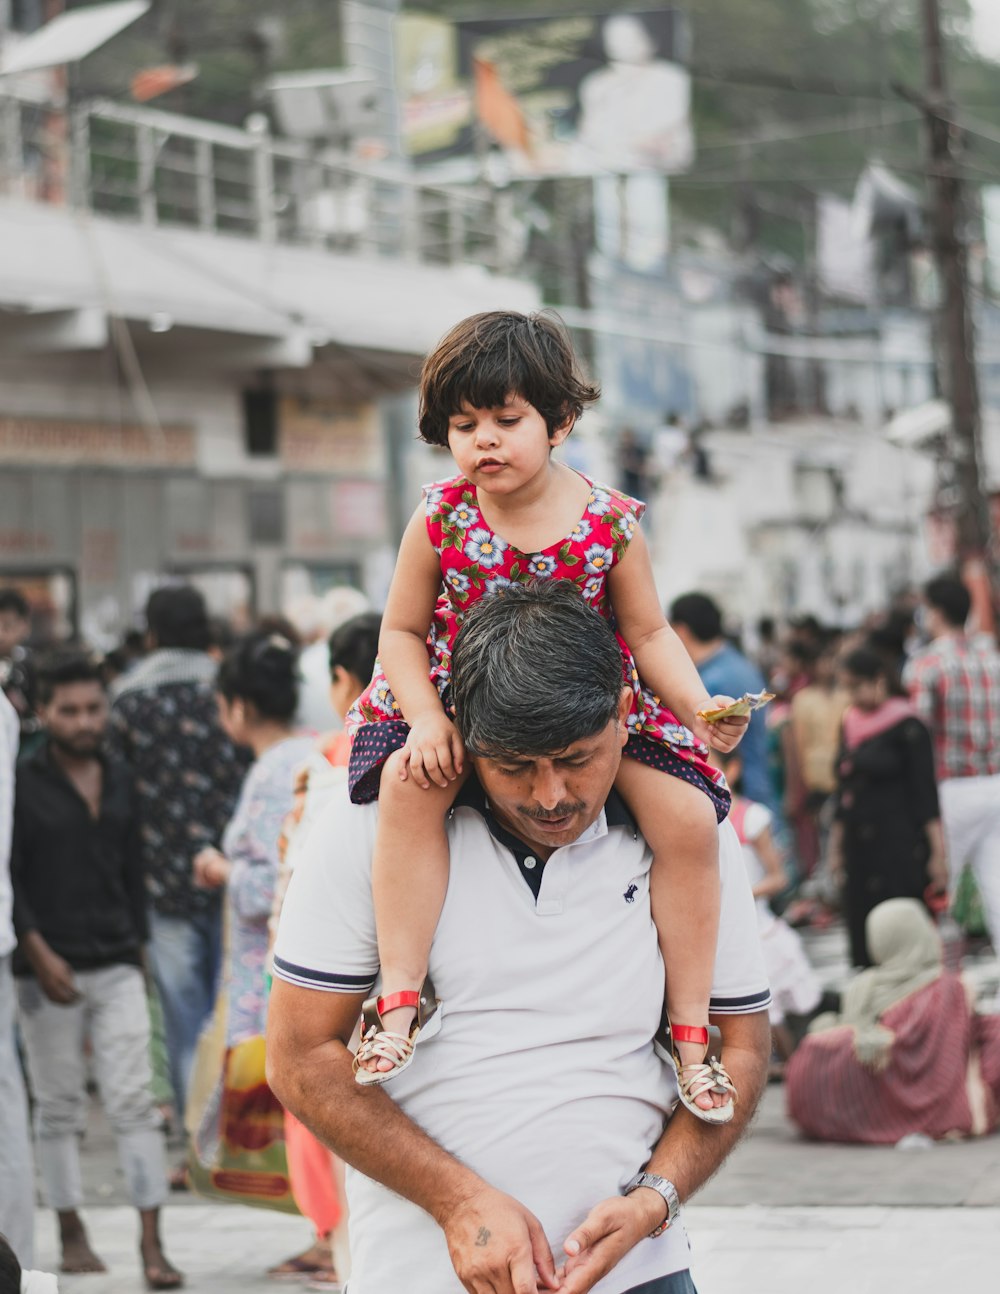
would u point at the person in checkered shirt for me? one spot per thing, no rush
(955, 684)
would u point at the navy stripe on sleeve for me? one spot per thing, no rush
(331, 982)
(741, 1005)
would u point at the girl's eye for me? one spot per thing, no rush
(508, 422)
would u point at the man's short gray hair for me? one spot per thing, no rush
(534, 669)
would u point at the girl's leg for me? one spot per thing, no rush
(679, 824)
(409, 882)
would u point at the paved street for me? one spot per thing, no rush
(784, 1215)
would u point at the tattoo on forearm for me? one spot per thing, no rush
(483, 1238)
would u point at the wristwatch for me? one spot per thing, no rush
(662, 1187)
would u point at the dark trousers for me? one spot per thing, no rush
(678, 1283)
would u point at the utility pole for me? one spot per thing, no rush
(976, 547)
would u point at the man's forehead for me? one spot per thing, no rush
(575, 748)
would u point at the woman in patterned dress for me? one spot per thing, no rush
(501, 391)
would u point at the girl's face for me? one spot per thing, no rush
(501, 450)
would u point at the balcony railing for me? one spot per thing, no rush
(163, 169)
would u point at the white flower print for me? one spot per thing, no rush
(463, 516)
(484, 547)
(580, 531)
(541, 566)
(498, 583)
(383, 700)
(457, 582)
(599, 502)
(593, 588)
(626, 525)
(597, 560)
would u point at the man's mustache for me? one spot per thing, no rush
(552, 815)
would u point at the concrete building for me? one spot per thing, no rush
(207, 357)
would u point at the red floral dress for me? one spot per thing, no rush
(475, 561)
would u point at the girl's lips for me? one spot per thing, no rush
(491, 465)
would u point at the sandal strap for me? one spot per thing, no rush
(695, 1080)
(410, 997)
(383, 1045)
(689, 1033)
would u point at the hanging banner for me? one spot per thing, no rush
(574, 95)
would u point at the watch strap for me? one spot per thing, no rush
(665, 1189)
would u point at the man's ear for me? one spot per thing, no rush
(624, 708)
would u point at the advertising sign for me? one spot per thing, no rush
(572, 95)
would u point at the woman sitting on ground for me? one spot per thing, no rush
(907, 1052)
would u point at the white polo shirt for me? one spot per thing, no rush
(538, 1069)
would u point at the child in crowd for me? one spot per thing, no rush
(501, 391)
(795, 990)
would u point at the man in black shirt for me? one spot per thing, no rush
(80, 920)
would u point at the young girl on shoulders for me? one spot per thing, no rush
(502, 391)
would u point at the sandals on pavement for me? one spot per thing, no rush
(379, 1043)
(696, 1079)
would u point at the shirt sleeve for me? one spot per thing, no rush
(920, 678)
(739, 985)
(326, 934)
(251, 844)
(758, 818)
(25, 920)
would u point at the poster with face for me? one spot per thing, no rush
(574, 95)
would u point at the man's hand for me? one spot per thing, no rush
(433, 751)
(55, 976)
(609, 1231)
(498, 1247)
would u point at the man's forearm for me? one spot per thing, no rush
(690, 1151)
(367, 1129)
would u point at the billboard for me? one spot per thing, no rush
(573, 95)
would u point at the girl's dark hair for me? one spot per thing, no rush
(490, 357)
(866, 663)
(354, 645)
(262, 669)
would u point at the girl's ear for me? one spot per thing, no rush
(559, 434)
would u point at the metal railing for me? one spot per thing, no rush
(160, 168)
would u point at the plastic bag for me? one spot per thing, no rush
(238, 1146)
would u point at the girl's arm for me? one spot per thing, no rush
(662, 660)
(406, 621)
(433, 751)
(774, 880)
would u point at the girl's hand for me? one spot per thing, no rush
(726, 734)
(433, 751)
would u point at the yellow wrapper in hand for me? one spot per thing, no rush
(748, 702)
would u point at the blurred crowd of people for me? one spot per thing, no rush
(162, 792)
(159, 789)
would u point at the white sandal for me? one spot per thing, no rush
(709, 1075)
(379, 1043)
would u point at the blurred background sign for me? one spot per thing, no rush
(568, 95)
(71, 36)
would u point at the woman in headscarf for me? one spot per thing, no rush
(907, 1053)
(886, 841)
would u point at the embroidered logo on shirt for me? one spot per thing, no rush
(630, 893)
